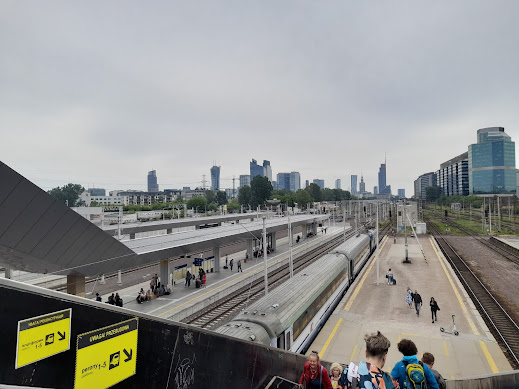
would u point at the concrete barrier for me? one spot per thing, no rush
(508, 380)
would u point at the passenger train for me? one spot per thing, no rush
(292, 315)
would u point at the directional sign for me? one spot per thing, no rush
(106, 356)
(42, 336)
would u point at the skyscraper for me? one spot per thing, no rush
(492, 163)
(289, 181)
(375, 190)
(295, 181)
(401, 193)
(319, 182)
(153, 186)
(307, 184)
(244, 180)
(362, 185)
(353, 184)
(215, 178)
(267, 170)
(255, 169)
(338, 183)
(382, 187)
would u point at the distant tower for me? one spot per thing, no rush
(215, 178)
(362, 185)
(153, 186)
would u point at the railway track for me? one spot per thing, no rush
(502, 326)
(224, 310)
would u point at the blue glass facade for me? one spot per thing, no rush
(492, 163)
(255, 169)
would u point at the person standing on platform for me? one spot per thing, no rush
(204, 279)
(428, 359)
(188, 279)
(226, 260)
(410, 369)
(417, 302)
(409, 297)
(389, 276)
(239, 266)
(231, 263)
(314, 374)
(434, 308)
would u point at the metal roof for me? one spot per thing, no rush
(131, 228)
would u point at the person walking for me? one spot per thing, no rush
(239, 266)
(428, 359)
(231, 263)
(417, 302)
(421, 372)
(409, 297)
(434, 309)
(314, 374)
(188, 279)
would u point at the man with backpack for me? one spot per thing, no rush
(428, 359)
(411, 373)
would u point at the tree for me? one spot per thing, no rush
(197, 202)
(261, 189)
(221, 197)
(233, 206)
(244, 195)
(210, 195)
(212, 207)
(302, 197)
(433, 193)
(315, 192)
(69, 193)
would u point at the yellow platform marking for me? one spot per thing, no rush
(445, 348)
(323, 350)
(464, 309)
(244, 275)
(353, 352)
(489, 357)
(359, 286)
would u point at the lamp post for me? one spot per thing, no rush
(265, 254)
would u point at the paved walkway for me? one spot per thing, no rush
(218, 284)
(368, 307)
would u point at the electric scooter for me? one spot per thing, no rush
(454, 330)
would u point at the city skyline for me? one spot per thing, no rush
(280, 78)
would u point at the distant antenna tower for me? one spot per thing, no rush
(233, 188)
(204, 181)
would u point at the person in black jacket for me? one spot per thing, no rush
(417, 302)
(434, 309)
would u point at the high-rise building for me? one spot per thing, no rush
(353, 184)
(215, 178)
(422, 183)
(382, 187)
(453, 176)
(375, 190)
(244, 180)
(255, 169)
(307, 184)
(338, 183)
(362, 185)
(401, 193)
(319, 182)
(153, 185)
(289, 181)
(492, 163)
(267, 170)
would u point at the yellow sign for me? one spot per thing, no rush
(42, 337)
(106, 356)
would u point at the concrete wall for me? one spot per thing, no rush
(163, 346)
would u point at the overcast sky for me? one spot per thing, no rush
(97, 92)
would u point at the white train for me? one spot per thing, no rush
(292, 315)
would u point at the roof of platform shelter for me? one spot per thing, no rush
(131, 228)
(172, 245)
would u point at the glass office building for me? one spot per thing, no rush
(492, 163)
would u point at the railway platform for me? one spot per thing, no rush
(368, 307)
(186, 300)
